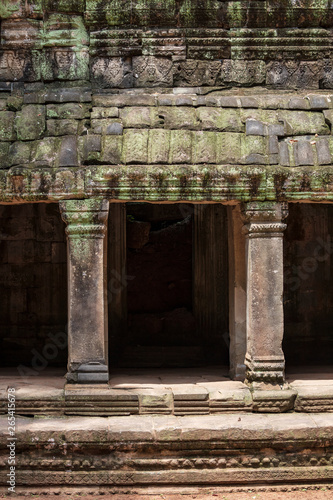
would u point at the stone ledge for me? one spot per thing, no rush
(234, 449)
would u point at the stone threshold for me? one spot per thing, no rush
(230, 449)
(200, 391)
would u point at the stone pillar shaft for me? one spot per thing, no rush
(87, 306)
(264, 319)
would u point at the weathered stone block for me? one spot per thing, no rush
(99, 112)
(111, 149)
(121, 100)
(14, 102)
(140, 117)
(180, 146)
(323, 152)
(135, 146)
(63, 63)
(107, 126)
(7, 132)
(4, 150)
(194, 73)
(299, 103)
(241, 72)
(158, 146)
(30, 122)
(68, 152)
(304, 153)
(304, 122)
(254, 150)
(110, 72)
(150, 71)
(203, 147)
(179, 117)
(19, 153)
(61, 127)
(226, 120)
(64, 5)
(46, 151)
(73, 111)
(228, 148)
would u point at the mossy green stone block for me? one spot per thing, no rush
(62, 127)
(111, 149)
(7, 132)
(74, 111)
(228, 148)
(46, 151)
(4, 150)
(226, 120)
(135, 146)
(180, 146)
(158, 146)
(203, 147)
(64, 5)
(30, 122)
(9, 8)
(19, 153)
(304, 122)
(139, 117)
(254, 150)
(181, 117)
(114, 12)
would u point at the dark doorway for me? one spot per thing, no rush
(308, 291)
(33, 275)
(169, 322)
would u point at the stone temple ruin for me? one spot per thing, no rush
(166, 189)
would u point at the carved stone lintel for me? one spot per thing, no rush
(264, 260)
(87, 322)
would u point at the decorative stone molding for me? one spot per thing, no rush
(264, 256)
(87, 323)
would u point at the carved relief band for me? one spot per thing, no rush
(87, 306)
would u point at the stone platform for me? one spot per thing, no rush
(179, 392)
(146, 451)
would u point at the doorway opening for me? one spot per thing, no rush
(308, 290)
(33, 274)
(171, 309)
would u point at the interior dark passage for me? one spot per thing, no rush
(165, 282)
(308, 290)
(33, 276)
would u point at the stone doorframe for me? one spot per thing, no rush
(255, 236)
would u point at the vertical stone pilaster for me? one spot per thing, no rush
(237, 293)
(117, 285)
(264, 319)
(87, 306)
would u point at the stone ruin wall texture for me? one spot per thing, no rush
(124, 99)
(164, 100)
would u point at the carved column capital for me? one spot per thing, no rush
(85, 217)
(264, 219)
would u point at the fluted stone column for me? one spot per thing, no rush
(264, 310)
(87, 305)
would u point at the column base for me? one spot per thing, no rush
(269, 370)
(273, 399)
(89, 373)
